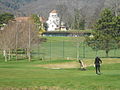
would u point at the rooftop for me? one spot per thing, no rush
(54, 11)
(22, 18)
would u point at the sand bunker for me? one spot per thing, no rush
(61, 65)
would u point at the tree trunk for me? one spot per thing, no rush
(16, 41)
(116, 8)
(16, 55)
(29, 55)
(29, 44)
(60, 23)
(26, 53)
(5, 55)
(107, 51)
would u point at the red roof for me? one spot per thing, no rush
(22, 18)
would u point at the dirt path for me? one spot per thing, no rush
(75, 64)
(60, 65)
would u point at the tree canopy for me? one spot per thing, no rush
(5, 17)
(106, 34)
(38, 23)
(78, 21)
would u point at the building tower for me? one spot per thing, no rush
(53, 21)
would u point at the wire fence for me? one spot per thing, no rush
(69, 50)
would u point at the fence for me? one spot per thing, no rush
(57, 50)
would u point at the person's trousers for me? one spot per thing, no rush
(97, 67)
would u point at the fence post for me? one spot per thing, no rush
(63, 49)
(78, 50)
(50, 51)
(83, 50)
(38, 52)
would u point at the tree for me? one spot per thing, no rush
(115, 6)
(19, 35)
(62, 9)
(28, 36)
(38, 23)
(116, 32)
(103, 36)
(45, 25)
(4, 18)
(7, 40)
(79, 21)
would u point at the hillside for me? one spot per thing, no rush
(89, 9)
(12, 5)
(43, 7)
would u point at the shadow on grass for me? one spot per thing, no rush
(36, 88)
(110, 57)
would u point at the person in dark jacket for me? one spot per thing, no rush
(97, 63)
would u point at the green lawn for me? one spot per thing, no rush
(23, 74)
(67, 47)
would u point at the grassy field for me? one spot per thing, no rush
(67, 47)
(55, 72)
(23, 74)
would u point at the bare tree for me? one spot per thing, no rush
(114, 5)
(62, 9)
(8, 40)
(18, 35)
(28, 36)
(96, 13)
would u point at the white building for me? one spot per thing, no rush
(53, 21)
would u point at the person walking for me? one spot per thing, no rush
(97, 63)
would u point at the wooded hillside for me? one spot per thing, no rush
(89, 10)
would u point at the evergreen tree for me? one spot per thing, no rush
(116, 33)
(38, 23)
(5, 17)
(105, 33)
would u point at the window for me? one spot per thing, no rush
(53, 15)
